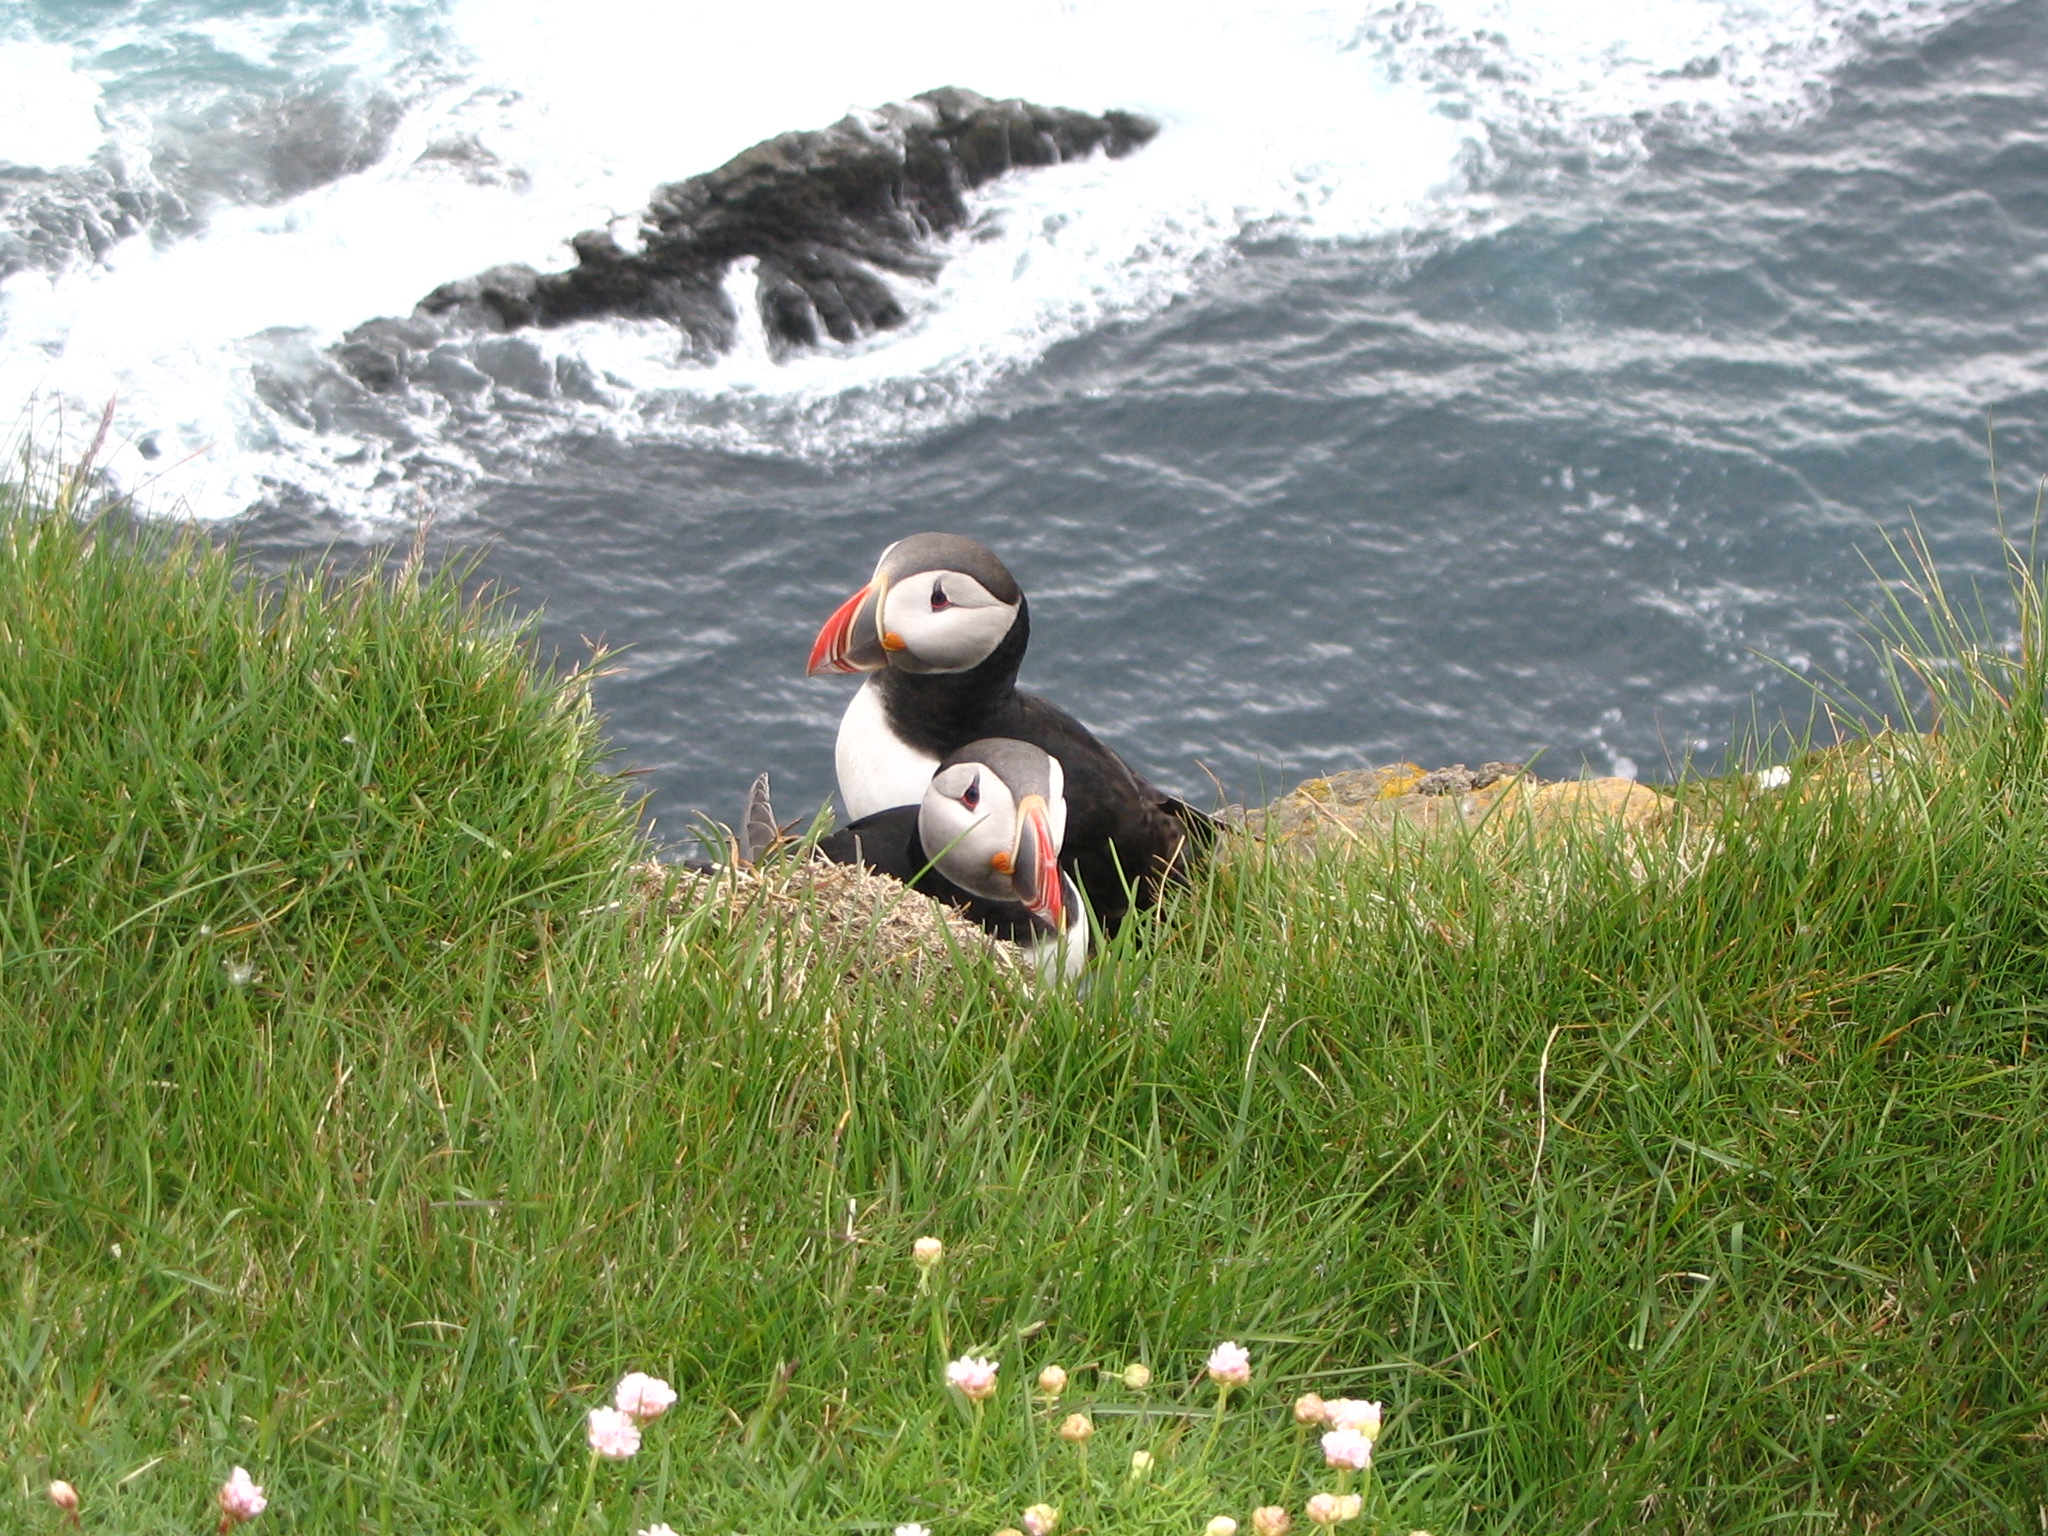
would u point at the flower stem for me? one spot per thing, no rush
(583, 1504)
(936, 1300)
(974, 1447)
(1215, 1424)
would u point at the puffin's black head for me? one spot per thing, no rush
(993, 820)
(937, 603)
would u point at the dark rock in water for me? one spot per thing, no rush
(823, 214)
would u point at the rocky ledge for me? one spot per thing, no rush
(826, 215)
(1347, 808)
(870, 923)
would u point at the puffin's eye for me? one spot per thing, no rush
(971, 795)
(939, 599)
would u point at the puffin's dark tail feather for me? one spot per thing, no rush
(1202, 828)
(758, 827)
(1198, 831)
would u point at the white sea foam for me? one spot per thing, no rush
(49, 111)
(532, 120)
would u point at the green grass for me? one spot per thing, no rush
(358, 1133)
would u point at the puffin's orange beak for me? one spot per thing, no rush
(1036, 864)
(848, 642)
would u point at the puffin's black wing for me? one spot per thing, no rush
(1125, 837)
(887, 842)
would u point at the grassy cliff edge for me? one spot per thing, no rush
(362, 1127)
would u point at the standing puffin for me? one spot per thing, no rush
(941, 628)
(986, 837)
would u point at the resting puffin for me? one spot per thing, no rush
(986, 837)
(942, 627)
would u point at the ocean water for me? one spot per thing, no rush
(1452, 382)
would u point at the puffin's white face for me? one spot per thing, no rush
(942, 621)
(968, 823)
(992, 844)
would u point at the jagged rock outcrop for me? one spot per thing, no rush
(823, 213)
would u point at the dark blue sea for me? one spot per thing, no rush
(1448, 382)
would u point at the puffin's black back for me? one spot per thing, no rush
(1124, 836)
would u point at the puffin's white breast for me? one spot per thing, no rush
(877, 768)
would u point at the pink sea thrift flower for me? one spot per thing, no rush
(240, 1499)
(1351, 1413)
(974, 1376)
(1310, 1409)
(1041, 1520)
(1222, 1525)
(927, 1251)
(1325, 1509)
(614, 1434)
(65, 1497)
(1076, 1428)
(1350, 1506)
(1272, 1520)
(1230, 1364)
(1052, 1381)
(911, 1529)
(1347, 1450)
(645, 1397)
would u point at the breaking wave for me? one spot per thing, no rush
(197, 202)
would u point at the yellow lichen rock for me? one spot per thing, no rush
(1619, 803)
(1398, 779)
(1368, 805)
